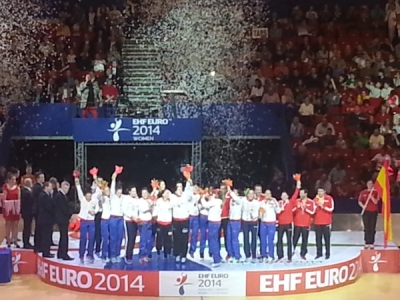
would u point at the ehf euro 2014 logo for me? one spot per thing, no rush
(376, 261)
(181, 282)
(116, 128)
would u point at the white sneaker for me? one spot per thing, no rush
(242, 260)
(270, 260)
(231, 260)
(183, 260)
(113, 260)
(177, 259)
(264, 260)
(214, 265)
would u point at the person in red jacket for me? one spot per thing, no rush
(323, 220)
(303, 212)
(368, 201)
(260, 196)
(225, 216)
(285, 222)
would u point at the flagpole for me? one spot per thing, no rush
(366, 202)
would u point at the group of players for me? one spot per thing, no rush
(174, 221)
(170, 220)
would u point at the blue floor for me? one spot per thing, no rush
(157, 265)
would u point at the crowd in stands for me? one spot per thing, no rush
(337, 73)
(80, 45)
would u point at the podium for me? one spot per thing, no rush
(5, 266)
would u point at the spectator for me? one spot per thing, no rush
(99, 64)
(340, 142)
(65, 93)
(327, 140)
(287, 97)
(311, 15)
(337, 174)
(379, 158)
(393, 100)
(90, 95)
(281, 69)
(356, 118)
(109, 91)
(270, 96)
(376, 141)
(361, 141)
(306, 112)
(275, 32)
(296, 128)
(374, 89)
(332, 98)
(323, 183)
(257, 91)
(323, 128)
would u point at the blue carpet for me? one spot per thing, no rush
(156, 265)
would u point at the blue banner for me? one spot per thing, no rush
(137, 130)
(218, 120)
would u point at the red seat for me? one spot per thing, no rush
(375, 102)
(361, 153)
(334, 111)
(312, 153)
(337, 121)
(316, 174)
(373, 152)
(345, 153)
(329, 154)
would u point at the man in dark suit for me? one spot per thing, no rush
(55, 187)
(36, 190)
(63, 215)
(46, 219)
(27, 211)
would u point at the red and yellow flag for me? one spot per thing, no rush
(382, 186)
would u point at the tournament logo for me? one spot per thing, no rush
(376, 260)
(116, 128)
(16, 261)
(180, 282)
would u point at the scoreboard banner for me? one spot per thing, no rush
(137, 130)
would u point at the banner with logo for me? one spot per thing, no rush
(381, 261)
(195, 284)
(137, 130)
(23, 261)
(97, 281)
(305, 280)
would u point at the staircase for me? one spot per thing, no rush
(142, 75)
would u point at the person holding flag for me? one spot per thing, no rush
(368, 201)
(382, 186)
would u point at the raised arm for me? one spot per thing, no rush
(78, 187)
(296, 192)
(113, 184)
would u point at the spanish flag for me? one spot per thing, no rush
(382, 186)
